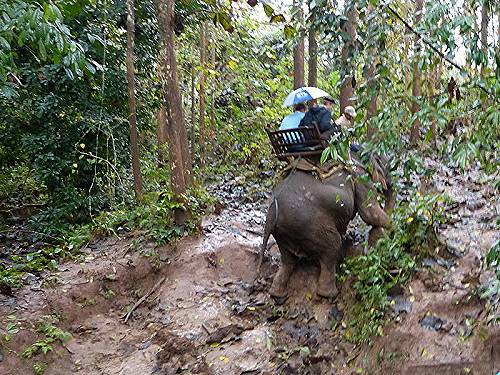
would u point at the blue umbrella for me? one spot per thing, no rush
(303, 94)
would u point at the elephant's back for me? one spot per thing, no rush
(302, 199)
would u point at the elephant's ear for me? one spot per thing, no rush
(378, 173)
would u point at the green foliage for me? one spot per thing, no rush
(337, 150)
(11, 273)
(58, 124)
(491, 291)
(51, 334)
(30, 30)
(153, 216)
(390, 263)
(39, 368)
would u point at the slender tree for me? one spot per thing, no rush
(201, 93)
(134, 147)
(372, 86)
(161, 133)
(298, 50)
(371, 110)
(193, 101)
(213, 65)
(485, 19)
(312, 78)
(180, 160)
(161, 127)
(346, 87)
(417, 85)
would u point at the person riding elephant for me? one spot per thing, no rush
(321, 115)
(309, 218)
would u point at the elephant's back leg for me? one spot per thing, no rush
(288, 262)
(326, 244)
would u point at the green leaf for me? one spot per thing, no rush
(41, 49)
(289, 31)
(278, 18)
(90, 67)
(225, 20)
(268, 10)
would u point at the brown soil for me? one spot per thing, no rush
(208, 317)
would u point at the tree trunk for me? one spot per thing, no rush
(371, 110)
(161, 126)
(193, 102)
(372, 90)
(298, 51)
(346, 89)
(213, 132)
(484, 35)
(134, 147)
(312, 79)
(417, 86)
(161, 133)
(201, 94)
(313, 59)
(436, 83)
(180, 164)
(431, 84)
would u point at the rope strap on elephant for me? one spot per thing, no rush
(322, 171)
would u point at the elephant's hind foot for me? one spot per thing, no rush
(326, 282)
(278, 291)
(327, 290)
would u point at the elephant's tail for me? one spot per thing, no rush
(271, 219)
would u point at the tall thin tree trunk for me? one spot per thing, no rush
(201, 94)
(436, 81)
(214, 89)
(431, 84)
(161, 126)
(484, 35)
(312, 78)
(346, 89)
(298, 51)
(193, 102)
(372, 88)
(313, 59)
(161, 133)
(180, 161)
(417, 85)
(372, 105)
(134, 147)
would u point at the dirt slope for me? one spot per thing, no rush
(207, 317)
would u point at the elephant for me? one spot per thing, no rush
(309, 218)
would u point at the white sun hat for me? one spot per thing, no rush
(350, 111)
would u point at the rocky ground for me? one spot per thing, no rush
(204, 315)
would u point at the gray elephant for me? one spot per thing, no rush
(308, 218)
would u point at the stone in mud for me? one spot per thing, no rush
(432, 322)
(400, 304)
(336, 314)
(453, 249)
(475, 205)
(227, 332)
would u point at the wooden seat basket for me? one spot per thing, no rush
(302, 141)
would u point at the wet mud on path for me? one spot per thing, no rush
(204, 314)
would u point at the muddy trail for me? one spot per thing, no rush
(196, 310)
